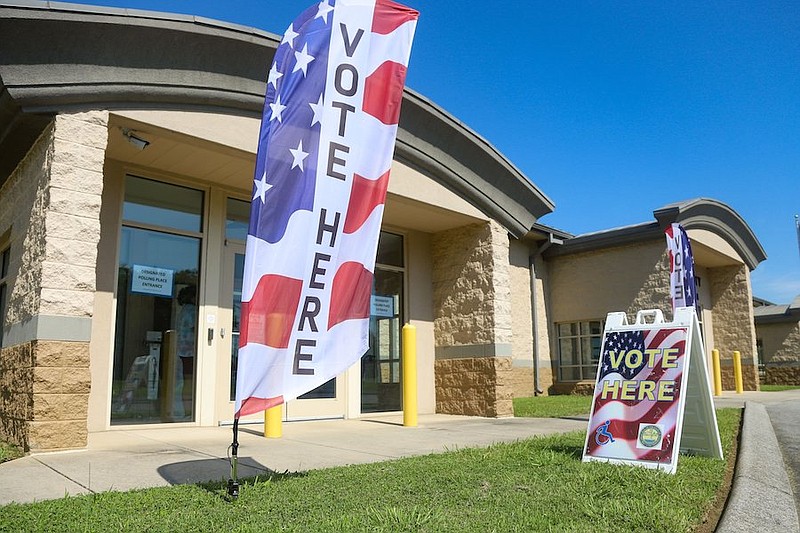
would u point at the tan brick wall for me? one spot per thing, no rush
(474, 386)
(521, 315)
(731, 304)
(781, 351)
(781, 342)
(16, 393)
(522, 381)
(472, 310)
(51, 203)
(782, 375)
(654, 291)
(24, 198)
(73, 214)
(61, 383)
(749, 377)
(580, 388)
(471, 286)
(589, 285)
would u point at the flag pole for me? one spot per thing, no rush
(233, 482)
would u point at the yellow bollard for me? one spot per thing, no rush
(273, 428)
(717, 372)
(737, 371)
(409, 375)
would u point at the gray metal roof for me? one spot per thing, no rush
(767, 314)
(697, 213)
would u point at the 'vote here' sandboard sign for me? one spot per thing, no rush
(652, 396)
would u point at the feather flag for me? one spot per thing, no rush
(325, 150)
(682, 287)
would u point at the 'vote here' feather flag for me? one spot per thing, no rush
(322, 168)
(682, 288)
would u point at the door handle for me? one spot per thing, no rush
(210, 334)
(222, 333)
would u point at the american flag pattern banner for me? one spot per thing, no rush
(637, 398)
(325, 150)
(682, 286)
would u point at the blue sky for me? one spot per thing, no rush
(614, 109)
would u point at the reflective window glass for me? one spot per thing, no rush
(156, 330)
(237, 219)
(162, 204)
(390, 250)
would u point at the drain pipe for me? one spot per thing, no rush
(537, 389)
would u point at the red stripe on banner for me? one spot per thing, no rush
(352, 287)
(256, 405)
(383, 92)
(269, 315)
(389, 16)
(365, 196)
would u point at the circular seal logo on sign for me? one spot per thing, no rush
(650, 436)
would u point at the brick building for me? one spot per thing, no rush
(126, 164)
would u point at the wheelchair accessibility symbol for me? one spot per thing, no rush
(602, 436)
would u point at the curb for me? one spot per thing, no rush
(761, 498)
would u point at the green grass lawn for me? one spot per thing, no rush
(537, 484)
(552, 406)
(777, 388)
(8, 452)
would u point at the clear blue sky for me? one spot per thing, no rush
(614, 109)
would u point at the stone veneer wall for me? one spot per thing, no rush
(734, 329)
(654, 292)
(472, 320)
(781, 345)
(51, 205)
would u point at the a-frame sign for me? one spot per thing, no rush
(652, 396)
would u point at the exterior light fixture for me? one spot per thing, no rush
(135, 140)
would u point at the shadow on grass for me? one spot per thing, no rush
(203, 470)
(575, 452)
(212, 475)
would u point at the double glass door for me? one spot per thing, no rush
(158, 346)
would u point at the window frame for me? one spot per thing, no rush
(578, 338)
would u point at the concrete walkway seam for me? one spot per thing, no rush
(761, 498)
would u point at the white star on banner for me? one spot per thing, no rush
(289, 36)
(277, 108)
(317, 109)
(322, 10)
(274, 76)
(261, 187)
(298, 155)
(302, 59)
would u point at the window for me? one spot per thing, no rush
(579, 349)
(762, 369)
(5, 257)
(236, 219)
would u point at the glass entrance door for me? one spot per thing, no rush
(380, 366)
(155, 346)
(326, 401)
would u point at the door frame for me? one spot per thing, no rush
(299, 409)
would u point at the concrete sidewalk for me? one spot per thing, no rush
(149, 457)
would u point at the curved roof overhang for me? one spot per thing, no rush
(699, 213)
(66, 57)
